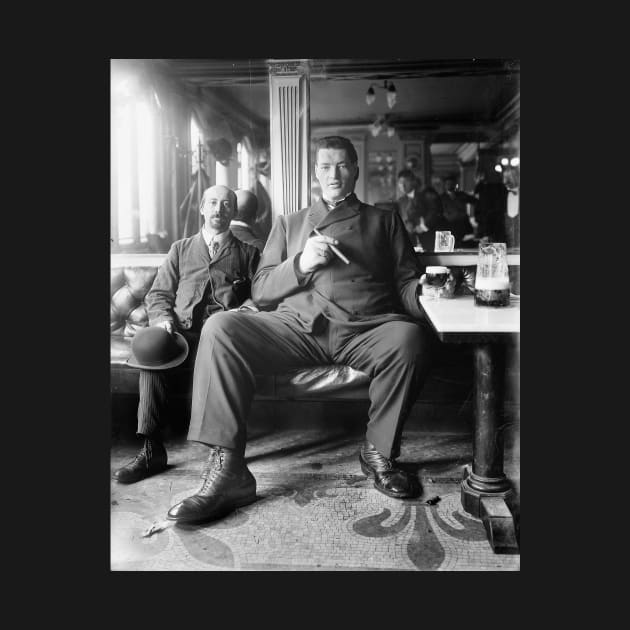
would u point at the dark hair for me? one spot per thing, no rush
(407, 173)
(247, 211)
(337, 142)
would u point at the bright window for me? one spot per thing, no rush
(135, 209)
(243, 159)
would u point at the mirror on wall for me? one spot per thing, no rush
(382, 167)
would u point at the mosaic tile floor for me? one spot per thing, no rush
(315, 511)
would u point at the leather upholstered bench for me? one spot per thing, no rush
(129, 285)
(443, 396)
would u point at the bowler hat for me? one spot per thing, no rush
(154, 348)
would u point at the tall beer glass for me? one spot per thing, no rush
(492, 281)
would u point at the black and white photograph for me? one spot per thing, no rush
(315, 314)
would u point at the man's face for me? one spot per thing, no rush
(335, 173)
(405, 185)
(449, 185)
(218, 208)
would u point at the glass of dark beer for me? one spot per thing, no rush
(435, 277)
(492, 281)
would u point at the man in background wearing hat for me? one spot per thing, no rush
(202, 275)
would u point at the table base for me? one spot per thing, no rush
(492, 509)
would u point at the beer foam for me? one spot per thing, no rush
(492, 284)
(436, 269)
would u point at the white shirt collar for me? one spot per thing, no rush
(334, 204)
(211, 238)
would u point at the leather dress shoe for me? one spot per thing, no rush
(227, 484)
(149, 461)
(388, 479)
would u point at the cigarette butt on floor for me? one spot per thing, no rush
(433, 500)
(156, 527)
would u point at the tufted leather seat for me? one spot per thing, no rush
(128, 313)
(129, 286)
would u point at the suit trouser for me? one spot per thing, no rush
(155, 390)
(233, 347)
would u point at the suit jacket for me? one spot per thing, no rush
(410, 211)
(182, 279)
(379, 284)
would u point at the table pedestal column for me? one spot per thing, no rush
(485, 489)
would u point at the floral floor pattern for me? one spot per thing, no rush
(303, 520)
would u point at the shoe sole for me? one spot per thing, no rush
(224, 511)
(369, 473)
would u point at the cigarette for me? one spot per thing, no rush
(333, 248)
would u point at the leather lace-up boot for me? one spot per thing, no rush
(149, 461)
(388, 478)
(227, 484)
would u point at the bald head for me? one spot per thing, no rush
(218, 207)
(218, 191)
(247, 206)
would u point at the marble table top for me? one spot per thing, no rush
(458, 319)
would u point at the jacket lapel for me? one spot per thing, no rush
(321, 217)
(201, 248)
(317, 213)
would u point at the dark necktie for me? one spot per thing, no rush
(215, 249)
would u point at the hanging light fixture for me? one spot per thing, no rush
(376, 126)
(391, 95)
(381, 123)
(388, 86)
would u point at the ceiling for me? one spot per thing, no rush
(456, 100)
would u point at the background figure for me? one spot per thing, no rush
(264, 216)
(437, 183)
(454, 204)
(242, 225)
(202, 275)
(491, 207)
(511, 179)
(409, 204)
(433, 218)
(420, 209)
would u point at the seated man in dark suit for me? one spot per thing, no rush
(242, 225)
(202, 275)
(316, 309)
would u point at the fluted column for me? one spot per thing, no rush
(290, 134)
